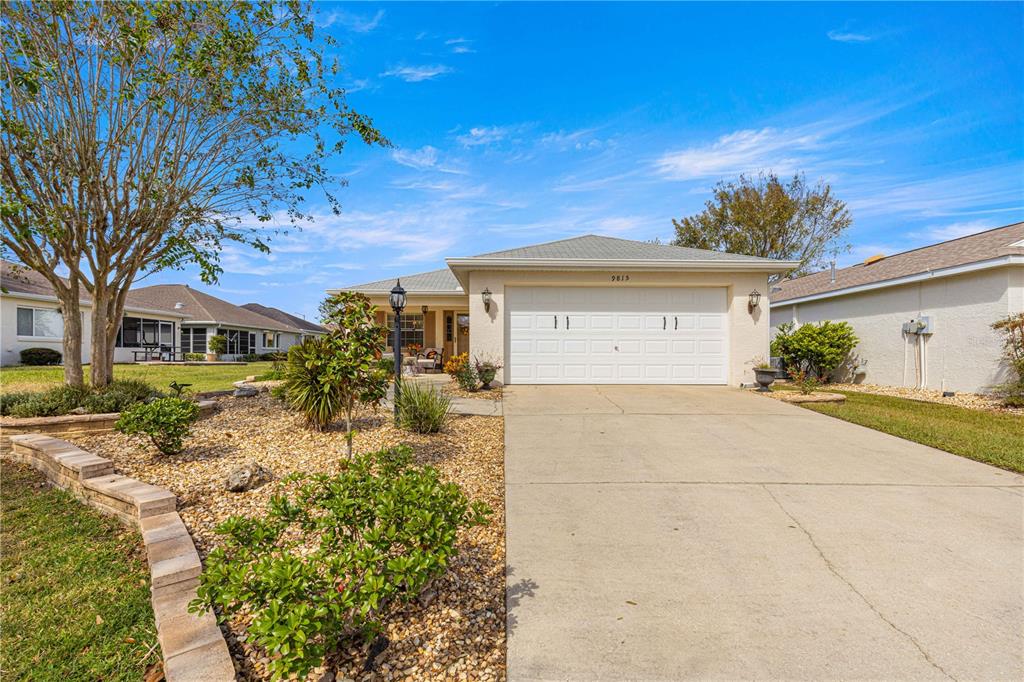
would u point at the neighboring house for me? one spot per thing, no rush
(305, 327)
(956, 288)
(593, 310)
(167, 315)
(247, 332)
(30, 317)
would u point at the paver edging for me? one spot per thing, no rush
(193, 645)
(69, 424)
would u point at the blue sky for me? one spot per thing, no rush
(522, 123)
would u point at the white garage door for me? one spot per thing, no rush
(604, 335)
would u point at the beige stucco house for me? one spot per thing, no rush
(593, 310)
(923, 316)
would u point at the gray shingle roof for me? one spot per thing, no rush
(285, 318)
(962, 251)
(203, 307)
(442, 281)
(596, 247)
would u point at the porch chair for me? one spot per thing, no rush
(430, 359)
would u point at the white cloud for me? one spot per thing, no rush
(579, 140)
(353, 22)
(943, 233)
(743, 151)
(460, 45)
(416, 74)
(849, 37)
(420, 159)
(488, 135)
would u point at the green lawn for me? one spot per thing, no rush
(211, 378)
(992, 437)
(75, 588)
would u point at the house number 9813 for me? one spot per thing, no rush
(620, 278)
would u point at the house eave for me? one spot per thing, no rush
(952, 271)
(461, 266)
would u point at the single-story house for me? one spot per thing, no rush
(922, 316)
(30, 317)
(247, 332)
(593, 310)
(168, 316)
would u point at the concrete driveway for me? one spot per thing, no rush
(664, 533)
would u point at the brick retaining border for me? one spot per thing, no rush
(69, 425)
(192, 644)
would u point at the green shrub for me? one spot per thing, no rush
(308, 383)
(814, 348)
(277, 356)
(137, 388)
(108, 401)
(218, 344)
(332, 555)
(422, 409)
(40, 356)
(466, 377)
(250, 357)
(806, 382)
(9, 400)
(1012, 330)
(167, 421)
(386, 364)
(194, 357)
(52, 402)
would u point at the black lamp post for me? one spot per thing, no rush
(397, 300)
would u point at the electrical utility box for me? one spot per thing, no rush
(920, 325)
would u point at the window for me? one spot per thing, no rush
(240, 342)
(193, 340)
(270, 340)
(43, 322)
(138, 332)
(412, 329)
(448, 328)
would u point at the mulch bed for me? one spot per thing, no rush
(457, 631)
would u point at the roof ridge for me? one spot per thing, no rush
(553, 241)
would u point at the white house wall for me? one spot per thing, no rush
(963, 354)
(11, 344)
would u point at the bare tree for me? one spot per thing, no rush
(138, 137)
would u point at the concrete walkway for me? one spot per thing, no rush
(664, 533)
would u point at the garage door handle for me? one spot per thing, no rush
(664, 322)
(556, 321)
(566, 321)
(677, 322)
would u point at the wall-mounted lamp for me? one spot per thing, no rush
(424, 310)
(486, 296)
(753, 300)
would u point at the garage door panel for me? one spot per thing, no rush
(617, 335)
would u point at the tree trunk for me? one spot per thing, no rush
(107, 309)
(348, 427)
(72, 314)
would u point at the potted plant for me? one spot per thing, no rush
(764, 374)
(218, 345)
(486, 371)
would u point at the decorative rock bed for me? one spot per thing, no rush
(192, 644)
(69, 425)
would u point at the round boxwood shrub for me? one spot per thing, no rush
(40, 356)
(167, 421)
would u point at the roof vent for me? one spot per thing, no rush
(179, 305)
(874, 259)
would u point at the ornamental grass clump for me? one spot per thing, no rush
(422, 409)
(335, 554)
(1012, 330)
(166, 421)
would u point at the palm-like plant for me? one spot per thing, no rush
(308, 384)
